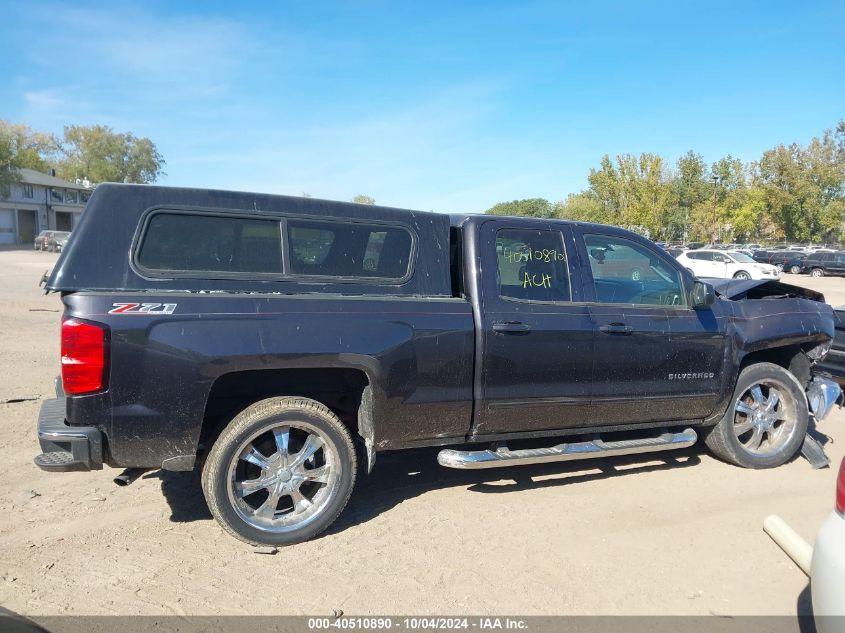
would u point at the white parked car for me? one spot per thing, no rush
(827, 569)
(823, 562)
(715, 264)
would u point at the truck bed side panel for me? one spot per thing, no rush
(417, 355)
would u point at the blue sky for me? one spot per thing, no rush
(450, 106)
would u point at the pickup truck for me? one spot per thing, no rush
(280, 343)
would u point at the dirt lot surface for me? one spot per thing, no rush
(678, 534)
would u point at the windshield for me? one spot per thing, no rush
(741, 257)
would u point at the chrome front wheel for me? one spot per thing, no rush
(764, 420)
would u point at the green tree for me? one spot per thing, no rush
(362, 199)
(584, 207)
(21, 147)
(636, 191)
(805, 186)
(533, 207)
(100, 154)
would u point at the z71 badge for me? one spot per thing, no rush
(143, 308)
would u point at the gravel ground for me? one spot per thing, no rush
(675, 534)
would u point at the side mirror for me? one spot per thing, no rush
(702, 295)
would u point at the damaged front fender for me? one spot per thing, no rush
(769, 314)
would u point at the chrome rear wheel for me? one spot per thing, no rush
(281, 471)
(283, 476)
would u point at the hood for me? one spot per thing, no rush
(737, 289)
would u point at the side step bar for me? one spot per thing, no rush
(565, 452)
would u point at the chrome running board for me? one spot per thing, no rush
(596, 447)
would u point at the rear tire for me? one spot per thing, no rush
(795, 270)
(281, 472)
(817, 272)
(766, 420)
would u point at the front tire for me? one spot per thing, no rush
(281, 472)
(766, 421)
(795, 270)
(742, 275)
(817, 272)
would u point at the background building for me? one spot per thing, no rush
(40, 202)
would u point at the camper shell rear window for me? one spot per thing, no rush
(226, 245)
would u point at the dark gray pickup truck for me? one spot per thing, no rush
(280, 343)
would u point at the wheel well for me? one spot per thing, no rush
(337, 388)
(790, 357)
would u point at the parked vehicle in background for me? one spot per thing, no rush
(823, 562)
(725, 265)
(674, 251)
(794, 265)
(834, 362)
(780, 258)
(55, 238)
(754, 247)
(821, 264)
(761, 256)
(41, 240)
(61, 242)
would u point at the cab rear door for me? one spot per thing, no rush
(536, 335)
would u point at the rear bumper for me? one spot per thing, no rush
(66, 448)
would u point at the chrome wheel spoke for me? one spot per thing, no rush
(756, 437)
(773, 399)
(757, 394)
(742, 407)
(300, 502)
(282, 436)
(743, 427)
(268, 509)
(248, 487)
(312, 445)
(320, 474)
(254, 457)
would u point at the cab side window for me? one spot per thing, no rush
(627, 272)
(532, 265)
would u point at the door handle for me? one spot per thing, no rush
(617, 328)
(511, 327)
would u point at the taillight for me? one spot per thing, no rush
(840, 489)
(83, 357)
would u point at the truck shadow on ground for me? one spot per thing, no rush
(400, 476)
